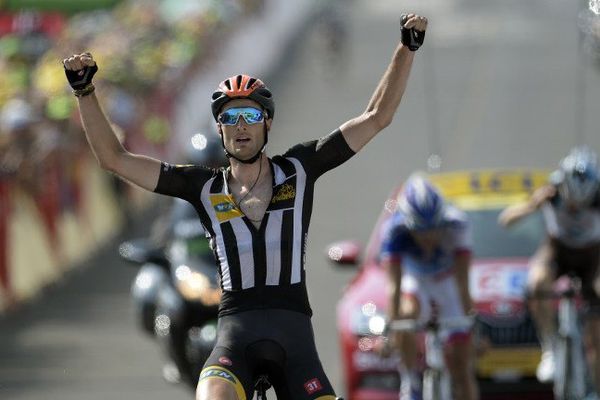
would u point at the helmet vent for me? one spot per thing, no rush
(250, 83)
(238, 80)
(228, 84)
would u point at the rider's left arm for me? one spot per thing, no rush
(516, 212)
(462, 264)
(386, 98)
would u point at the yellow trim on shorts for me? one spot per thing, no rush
(215, 371)
(328, 397)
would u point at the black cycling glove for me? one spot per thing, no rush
(411, 38)
(82, 78)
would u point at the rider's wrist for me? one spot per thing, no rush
(86, 91)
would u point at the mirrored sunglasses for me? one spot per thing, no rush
(250, 114)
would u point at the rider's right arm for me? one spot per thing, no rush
(392, 266)
(394, 273)
(390, 260)
(516, 212)
(112, 156)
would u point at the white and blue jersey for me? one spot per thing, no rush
(399, 246)
(576, 229)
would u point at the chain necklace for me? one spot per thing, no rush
(239, 203)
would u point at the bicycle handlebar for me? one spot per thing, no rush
(552, 294)
(572, 290)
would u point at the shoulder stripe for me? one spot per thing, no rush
(287, 167)
(218, 182)
(278, 174)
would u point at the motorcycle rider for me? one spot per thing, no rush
(177, 294)
(426, 250)
(257, 213)
(570, 205)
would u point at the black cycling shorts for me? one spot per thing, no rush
(279, 343)
(583, 262)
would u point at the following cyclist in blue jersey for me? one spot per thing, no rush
(570, 205)
(426, 250)
(256, 212)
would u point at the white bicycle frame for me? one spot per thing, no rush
(436, 378)
(570, 364)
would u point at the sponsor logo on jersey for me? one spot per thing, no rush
(312, 386)
(224, 207)
(284, 192)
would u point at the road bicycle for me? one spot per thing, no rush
(570, 372)
(436, 378)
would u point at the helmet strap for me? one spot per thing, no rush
(255, 157)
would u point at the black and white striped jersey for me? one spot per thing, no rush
(264, 267)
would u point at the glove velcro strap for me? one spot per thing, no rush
(85, 91)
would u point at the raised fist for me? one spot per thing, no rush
(412, 29)
(80, 69)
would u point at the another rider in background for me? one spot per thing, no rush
(427, 253)
(571, 210)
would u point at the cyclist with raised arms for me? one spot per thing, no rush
(570, 205)
(256, 213)
(426, 250)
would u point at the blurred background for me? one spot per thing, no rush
(498, 84)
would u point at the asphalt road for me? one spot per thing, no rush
(498, 84)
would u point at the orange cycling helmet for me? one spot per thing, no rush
(242, 87)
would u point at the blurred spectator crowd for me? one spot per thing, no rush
(144, 49)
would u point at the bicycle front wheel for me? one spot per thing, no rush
(562, 368)
(433, 385)
(430, 383)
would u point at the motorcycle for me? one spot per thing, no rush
(176, 293)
